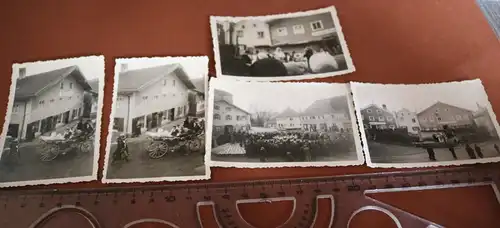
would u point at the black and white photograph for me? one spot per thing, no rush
(424, 125)
(293, 46)
(265, 124)
(52, 124)
(157, 123)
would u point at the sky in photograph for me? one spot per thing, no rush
(276, 97)
(419, 97)
(195, 67)
(91, 67)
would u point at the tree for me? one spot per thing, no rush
(259, 117)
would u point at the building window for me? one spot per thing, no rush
(380, 118)
(439, 118)
(228, 117)
(62, 85)
(316, 25)
(144, 97)
(156, 97)
(424, 119)
(51, 100)
(281, 31)
(228, 109)
(413, 120)
(260, 35)
(216, 107)
(445, 109)
(71, 85)
(458, 117)
(431, 119)
(371, 118)
(216, 117)
(255, 25)
(291, 119)
(298, 29)
(369, 111)
(239, 33)
(378, 111)
(242, 26)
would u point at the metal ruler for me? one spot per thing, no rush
(216, 204)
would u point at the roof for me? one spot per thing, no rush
(326, 106)
(377, 107)
(243, 110)
(136, 80)
(33, 85)
(439, 102)
(94, 84)
(199, 84)
(271, 121)
(288, 112)
(219, 92)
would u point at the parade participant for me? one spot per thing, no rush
(121, 152)
(470, 151)
(432, 155)
(478, 151)
(263, 154)
(306, 149)
(496, 148)
(174, 131)
(452, 150)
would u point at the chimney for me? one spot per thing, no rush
(124, 67)
(22, 72)
(384, 107)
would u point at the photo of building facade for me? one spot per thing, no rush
(158, 127)
(53, 123)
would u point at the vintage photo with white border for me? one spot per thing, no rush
(266, 124)
(157, 121)
(52, 124)
(293, 46)
(423, 125)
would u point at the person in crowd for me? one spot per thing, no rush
(268, 67)
(175, 131)
(80, 125)
(452, 150)
(308, 52)
(187, 123)
(478, 151)
(279, 54)
(263, 154)
(470, 151)
(496, 148)
(246, 57)
(431, 153)
(322, 62)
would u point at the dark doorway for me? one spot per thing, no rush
(118, 124)
(137, 124)
(13, 130)
(66, 117)
(228, 129)
(171, 114)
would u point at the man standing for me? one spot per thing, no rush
(452, 150)
(432, 155)
(470, 151)
(478, 151)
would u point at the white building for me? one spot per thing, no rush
(251, 33)
(407, 119)
(46, 101)
(151, 97)
(228, 117)
(331, 114)
(289, 119)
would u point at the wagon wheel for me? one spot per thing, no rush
(194, 144)
(49, 153)
(85, 147)
(159, 150)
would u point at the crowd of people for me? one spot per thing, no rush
(83, 128)
(281, 63)
(189, 126)
(296, 146)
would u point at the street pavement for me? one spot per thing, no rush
(235, 153)
(29, 166)
(141, 166)
(389, 153)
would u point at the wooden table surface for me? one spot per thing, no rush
(391, 41)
